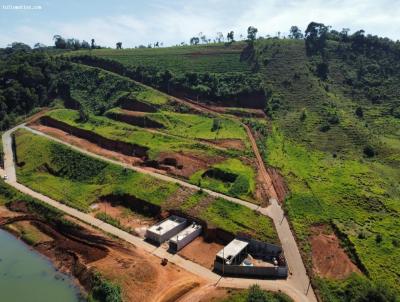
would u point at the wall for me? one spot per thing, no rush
(251, 271)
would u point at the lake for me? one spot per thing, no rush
(26, 276)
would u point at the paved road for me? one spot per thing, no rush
(295, 286)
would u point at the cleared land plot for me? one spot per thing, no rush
(195, 125)
(78, 180)
(179, 156)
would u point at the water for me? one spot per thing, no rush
(26, 276)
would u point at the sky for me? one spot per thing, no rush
(134, 22)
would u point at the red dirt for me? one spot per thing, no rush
(189, 163)
(328, 257)
(127, 218)
(86, 145)
(279, 183)
(201, 252)
(236, 144)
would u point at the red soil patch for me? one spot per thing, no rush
(186, 164)
(278, 181)
(127, 218)
(201, 252)
(236, 144)
(328, 257)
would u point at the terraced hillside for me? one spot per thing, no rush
(79, 181)
(338, 150)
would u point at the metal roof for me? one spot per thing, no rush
(229, 252)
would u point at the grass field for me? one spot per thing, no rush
(196, 125)
(115, 130)
(243, 186)
(78, 180)
(359, 197)
(215, 58)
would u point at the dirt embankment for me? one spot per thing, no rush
(113, 145)
(80, 251)
(135, 105)
(135, 118)
(329, 259)
(279, 183)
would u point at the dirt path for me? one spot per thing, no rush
(268, 184)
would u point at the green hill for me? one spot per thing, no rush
(333, 126)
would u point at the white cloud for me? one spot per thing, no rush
(179, 21)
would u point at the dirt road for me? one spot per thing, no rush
(295, 286)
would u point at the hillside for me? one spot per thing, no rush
(334, 136)
(332, 129)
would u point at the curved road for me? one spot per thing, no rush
(296, 286)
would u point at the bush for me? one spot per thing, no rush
(105, 291)
(256, 294)
(369, 151)
(240, 186)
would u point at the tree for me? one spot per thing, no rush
(220, 37)
(230, 37)
(83, 115)
(194, 41)
(251, 33)
(255, 294)
(119, 45)
(316, 34)
(92, 45)
(85, 45)
(59, 42)
(295, 33)
(359, 112)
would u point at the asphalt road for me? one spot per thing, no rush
(296, 286)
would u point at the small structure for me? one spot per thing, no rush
(165, 229)
(233, 253)
(177, 242)
(237, 259)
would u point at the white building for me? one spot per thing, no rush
(165, 229)
(233, 253)
(186, 236)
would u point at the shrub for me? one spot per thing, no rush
(240, 186)
(369, 151)
(359, 112)
(105, 291)
(256, 294)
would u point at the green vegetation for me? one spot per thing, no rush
(108, 219)
(46, 172)
(196, 125)
(213, 77)
(255, 294)
(215, 58)
(231, 177)
(114, 130)
(360, 198)
(99, 90)
(356, 289)
(236, 218)
(104, 290)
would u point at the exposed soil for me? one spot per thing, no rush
(279, 183)
(126, 217)
(208, 293)
(184, 165)
(141, 275)
(236, 144)
(201, 252)
(85, 144)
(328, 257)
